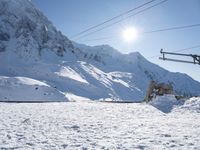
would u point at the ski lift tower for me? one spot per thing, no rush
(195, 58)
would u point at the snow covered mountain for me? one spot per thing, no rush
(32, 50)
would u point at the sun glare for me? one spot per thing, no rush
(130, 34)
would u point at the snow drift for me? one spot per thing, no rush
(31, 47)
(166, 103)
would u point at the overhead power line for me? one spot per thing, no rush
(78, 36)
(109, 25)
(188, 48)
(113, 18)
(153, 31)
(174, 28)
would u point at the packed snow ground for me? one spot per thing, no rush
(97, 125)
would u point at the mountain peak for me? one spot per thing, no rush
(16, 6)
(29, 31)
(135, 55)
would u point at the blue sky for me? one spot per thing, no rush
(74, 16)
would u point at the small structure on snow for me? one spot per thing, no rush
(158, 89)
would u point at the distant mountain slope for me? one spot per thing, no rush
(29, 90)
(30, 46)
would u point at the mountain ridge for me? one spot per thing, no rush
(30, 46)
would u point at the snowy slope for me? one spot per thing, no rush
(26, 89)
(30, 46)
(95, 125)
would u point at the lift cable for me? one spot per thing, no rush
(153, 31)
(174, 28)
(116, 22)
(113, 18)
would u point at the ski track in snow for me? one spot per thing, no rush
(96, 125)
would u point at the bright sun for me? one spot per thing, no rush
(130, 34)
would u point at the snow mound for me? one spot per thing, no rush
(26, 89)
(165, 103)
(191, 105)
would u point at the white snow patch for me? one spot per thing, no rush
(74, 98)
(165, 103)
(191, 105)
(70, 73)
(26, 89)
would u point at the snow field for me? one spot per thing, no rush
(98, 125)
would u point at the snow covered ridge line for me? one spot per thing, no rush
(24, 89)
(30, 46)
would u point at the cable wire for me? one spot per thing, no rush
(153, 31)
(174, 28)
(111, 19)
(116, 22)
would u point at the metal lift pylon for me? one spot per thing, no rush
(196, 58)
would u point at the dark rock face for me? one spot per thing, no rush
(4, 36)
(25, 26)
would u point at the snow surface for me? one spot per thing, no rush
(98, 125)
(166, 102)
(26, 89)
